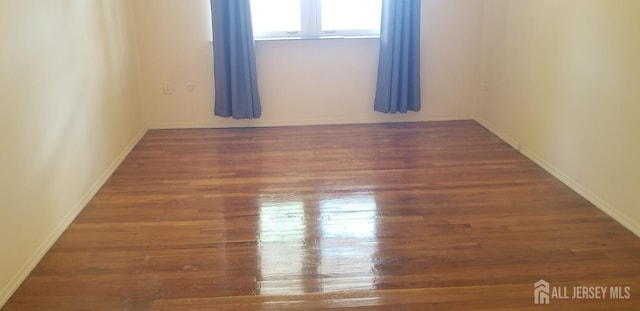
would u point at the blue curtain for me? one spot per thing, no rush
(234, 60)
(398, 87)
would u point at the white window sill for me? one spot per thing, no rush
(317, 38)
(313, 38)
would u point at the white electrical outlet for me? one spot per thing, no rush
(167, 88)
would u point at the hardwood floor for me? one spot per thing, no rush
(414, 216)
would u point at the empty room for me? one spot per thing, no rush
(320, 154)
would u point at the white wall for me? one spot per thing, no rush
(309, 81)
(67, 116)
(564, 84)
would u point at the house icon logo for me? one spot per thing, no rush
(541, 293)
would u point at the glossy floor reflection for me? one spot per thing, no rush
(333, 239)
(414, 216)
(282, 248)
(348, 243)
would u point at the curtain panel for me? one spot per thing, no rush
(236, 85)
(398, 85)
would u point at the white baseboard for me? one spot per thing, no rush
(603, 205)
(506, 138)
(586, 193)
(21, 275)
(227, 123)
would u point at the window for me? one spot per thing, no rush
(315, 18)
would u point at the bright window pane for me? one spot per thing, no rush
(275, 15)
(351, 14)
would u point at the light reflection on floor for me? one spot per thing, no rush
(346, 227)
(281, 247)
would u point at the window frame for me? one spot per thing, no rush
(310, 27)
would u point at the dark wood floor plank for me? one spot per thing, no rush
(412, 216)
